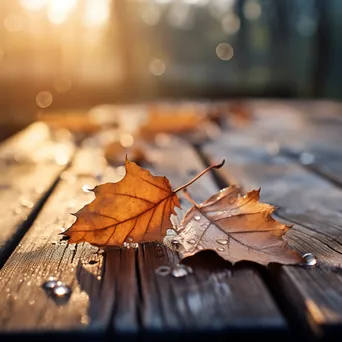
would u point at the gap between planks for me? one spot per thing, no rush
(30, 164)
(109, 297)
(308, 200)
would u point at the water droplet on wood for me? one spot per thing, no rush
(306, 158)
(61, 290)
(26, 203)
(17, 211)
(181, 271)
(163, 270)
(50, 284)
(309, 259)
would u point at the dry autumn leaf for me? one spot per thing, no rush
(237, 228)
(171, 119)
(135, 209)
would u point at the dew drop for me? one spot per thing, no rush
(175, 243)
(220, 249)
(222, 241)
(306, 158)
(17, 211)
(191, 242)
(163, 270)
(197, 218)
(50, 284)
(26, 203)
(61, 290)
(171, 232)
(309, 259)
(181, 271)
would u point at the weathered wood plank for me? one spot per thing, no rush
(307, 131)
(308, 201)
(30, 163)
(215, 300)
(26, 309)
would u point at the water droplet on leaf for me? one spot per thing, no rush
(171, 232)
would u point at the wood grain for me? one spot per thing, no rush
(312, 204)
(30, 163)
(26, 309)
(215, 300)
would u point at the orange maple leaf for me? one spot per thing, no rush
(135, 209)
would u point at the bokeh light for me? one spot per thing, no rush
(13, 23)
(126, 140)
(58, 10)
(224, 51)
(150, 15)
(251, 10)
(157, 67)
(230, 23)
(44, 99)
(96, 12)
(33, 5)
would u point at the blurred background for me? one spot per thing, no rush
(74, 54)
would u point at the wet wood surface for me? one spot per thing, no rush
(304, 198)
(290, 149)
(30, 164)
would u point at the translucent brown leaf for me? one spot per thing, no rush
(135, 209)
(237, 228)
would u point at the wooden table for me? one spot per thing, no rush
(292, 150)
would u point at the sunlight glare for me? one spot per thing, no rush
(58, 10)
(33, 5)
(96, 12)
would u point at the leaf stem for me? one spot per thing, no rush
(215, 166)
